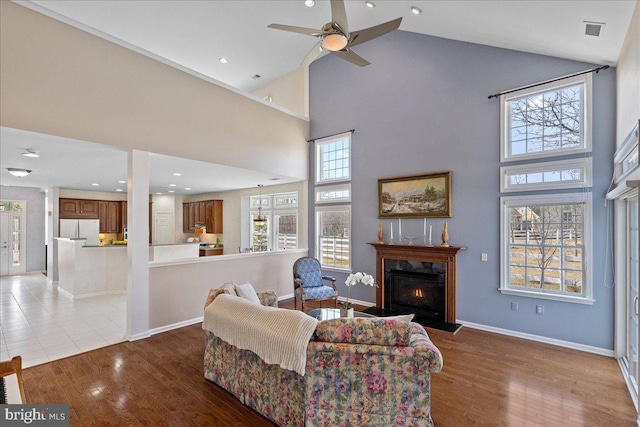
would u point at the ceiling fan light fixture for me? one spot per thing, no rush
(20, 173)
(416, 10)
(334, 42)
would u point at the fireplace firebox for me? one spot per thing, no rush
(417, 292)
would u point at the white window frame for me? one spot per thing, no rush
(555, 199)
(585, 135)
(270, 210)
(319, 143)
(585, 164)
(318, 254)
(328, 188)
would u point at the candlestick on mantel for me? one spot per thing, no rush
(391, 228)
(424, 231)
(430, 235)
(400, 229)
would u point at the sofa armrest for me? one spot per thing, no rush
(424, 348)
(268, 298)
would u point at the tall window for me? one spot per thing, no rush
(280, 231)
(546, 238)
(333, 202)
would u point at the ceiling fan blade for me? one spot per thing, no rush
(339, 15)
(359, 37)
(314, 54)
(352, 57)
(300, 30)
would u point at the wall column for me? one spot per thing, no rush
(138, 245)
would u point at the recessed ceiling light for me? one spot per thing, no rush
(223, 60)
(95, 184)
(416, 10)
(118, 189)
(172, 185)
(171, 191)
(177, 174)
(370, 4)
(158, 193)
(20, 173)
(187, 188)
(30, 153)
(309, 3)
(122, 182)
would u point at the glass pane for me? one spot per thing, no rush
(334, 242)
(287, 232)
(15, 240)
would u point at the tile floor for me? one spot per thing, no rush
(41, 325)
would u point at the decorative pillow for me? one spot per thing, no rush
(359, 330)
(403, 317)
(247, 292)
(213, 293)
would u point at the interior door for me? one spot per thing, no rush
(164, 227)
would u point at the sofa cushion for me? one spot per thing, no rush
(227, 288)
(359, 330)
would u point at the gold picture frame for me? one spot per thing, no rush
(416, 196)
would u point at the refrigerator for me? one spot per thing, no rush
(81, 229)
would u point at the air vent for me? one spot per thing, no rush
(256, 76)
(594, 29)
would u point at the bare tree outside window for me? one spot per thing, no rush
(546, 247)
(547, 121)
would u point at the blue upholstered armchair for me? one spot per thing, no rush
(308, 283)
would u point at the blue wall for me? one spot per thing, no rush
(421, 107)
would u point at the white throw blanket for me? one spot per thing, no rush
(277, 335)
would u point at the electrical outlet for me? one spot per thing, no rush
(539, 309)
(514, 306)
(483, 257)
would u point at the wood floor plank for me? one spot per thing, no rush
(487, 380)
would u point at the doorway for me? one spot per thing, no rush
(12, 238)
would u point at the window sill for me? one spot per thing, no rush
(336, 269)
(544, 295)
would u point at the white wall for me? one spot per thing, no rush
(290, 91)
(628, 80)
(179, 291)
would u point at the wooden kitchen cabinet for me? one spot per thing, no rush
(78, 209)
(213, 216)
(207, 213)
(123, 213)
(110, 214)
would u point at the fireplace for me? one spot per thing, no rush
(417, 279)
(418, 292)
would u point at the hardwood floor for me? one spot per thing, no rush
(487, 380)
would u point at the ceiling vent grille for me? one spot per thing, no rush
(594, 29)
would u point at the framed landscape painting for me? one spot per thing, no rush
(417, 196)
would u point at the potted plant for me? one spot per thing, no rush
(354, 278)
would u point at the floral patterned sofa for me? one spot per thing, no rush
(359, 372)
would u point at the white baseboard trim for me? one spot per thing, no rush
(63, 292)
(99, 294)
(182, 324)
(357, 301)
(284, 297)
(139, 336)
(539, 338)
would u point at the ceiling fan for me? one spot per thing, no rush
(335, 36)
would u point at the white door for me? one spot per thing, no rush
(12, 243)
(163, 227)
